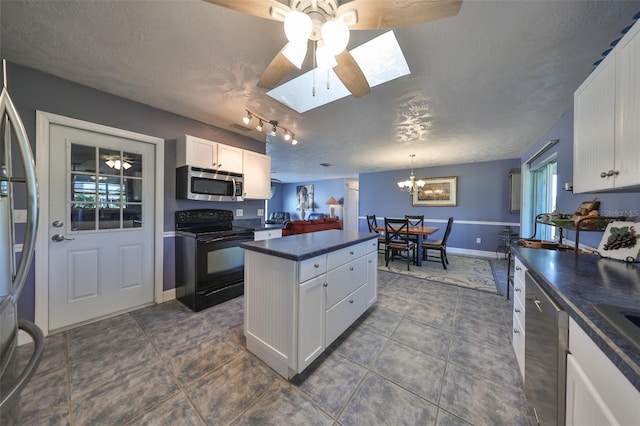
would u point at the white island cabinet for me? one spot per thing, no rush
(303, 291)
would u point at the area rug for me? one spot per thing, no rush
(463, 271)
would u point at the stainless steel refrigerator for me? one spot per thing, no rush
(15, 177)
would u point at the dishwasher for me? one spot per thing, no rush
(546, 346)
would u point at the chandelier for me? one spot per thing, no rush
(412, 184)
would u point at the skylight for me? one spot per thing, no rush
(380, 59)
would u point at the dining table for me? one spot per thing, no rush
(420, 231)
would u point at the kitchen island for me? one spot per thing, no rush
(303, 291)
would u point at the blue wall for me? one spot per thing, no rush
(611, 204)
(482, 208)
(322, 189)
(33, 90)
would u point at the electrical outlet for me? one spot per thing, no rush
(260, 212)
(478, 240)
(239, 212)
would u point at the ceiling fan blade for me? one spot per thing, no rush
(275, 72)
(350, 74)
(259, 8)
(373, 14)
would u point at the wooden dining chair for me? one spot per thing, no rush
(397, 240)
(373, 223)
(415, 220)
(438, 245)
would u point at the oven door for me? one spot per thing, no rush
(220, 267)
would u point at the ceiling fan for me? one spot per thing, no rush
(327, 23)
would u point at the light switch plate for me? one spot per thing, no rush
(260, 212)
(239, 212)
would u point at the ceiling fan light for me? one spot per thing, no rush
(324, 58)
(110, 163)
(336, 35)
(126, 165)
(297, 26)
(295, 53)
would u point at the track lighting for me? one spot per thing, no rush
(275, 125)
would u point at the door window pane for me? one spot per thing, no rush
(110, 198)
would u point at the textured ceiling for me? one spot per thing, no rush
(484, 85)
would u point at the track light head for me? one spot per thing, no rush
(287, 135)
(247, 118)
(273, 130)
(294, 141)
(259, 126)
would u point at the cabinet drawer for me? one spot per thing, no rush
(345, 279)
(267, 234)
(372, 245)
(519, 290)
(518, 313)
(344, 313)
(518, 270)
(346, 255)
(518, 344)
(312, 268)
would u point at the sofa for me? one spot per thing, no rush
(295, 227)
(278, 217)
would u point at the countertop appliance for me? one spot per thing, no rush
(209, 259)
(12, 277)
(195, 183)
(546, 346)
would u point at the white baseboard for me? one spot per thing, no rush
(470, 252)
(169, 295)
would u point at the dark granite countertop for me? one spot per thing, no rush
(577, 282)
(305, 246)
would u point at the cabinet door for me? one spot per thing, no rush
(257, 176)
(594, 129)
(311, 317)
(198, 152)
(229, 158)
(627, 148)
(584, 404)
(372, 277)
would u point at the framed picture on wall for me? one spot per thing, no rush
(304, 201)
(437, 192)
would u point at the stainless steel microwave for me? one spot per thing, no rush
(195, 183)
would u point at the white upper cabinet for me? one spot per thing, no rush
(198, 152)
(606, 128)
(257, 176)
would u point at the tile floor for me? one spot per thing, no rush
(426, 353)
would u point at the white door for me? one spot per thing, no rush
(101, 230)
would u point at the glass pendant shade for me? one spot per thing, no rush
(336, 35)
(295, 53)
(324, 58)
(297, 27)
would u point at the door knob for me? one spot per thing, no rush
(59, 237)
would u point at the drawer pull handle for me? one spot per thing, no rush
(325, 284)
(518, 268)
(515, 330)
(350, 301)
(351, 269)
(316, 265)
(517, 310)
(518, 289)
(350, 252)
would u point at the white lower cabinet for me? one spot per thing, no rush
(294, 310)
(519, 312)
(311, 324)
(597, 392)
